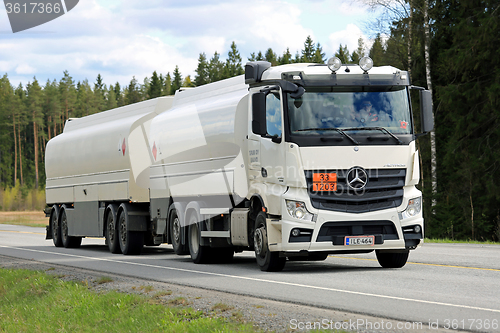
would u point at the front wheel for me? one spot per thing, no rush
(267, 261)
(392, 259)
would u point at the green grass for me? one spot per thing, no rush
(38, 302)
(447, 240)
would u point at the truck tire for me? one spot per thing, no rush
(267, 261)
(68, 241)
(55, 227)
(392, 259)
(199, 254)
(112, 230)
(176, 234)
(131, 242)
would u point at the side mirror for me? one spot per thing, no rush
(259, 113)
(426, 115)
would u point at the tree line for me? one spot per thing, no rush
(449, 46)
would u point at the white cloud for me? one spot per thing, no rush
(349, 36)
(121, 39)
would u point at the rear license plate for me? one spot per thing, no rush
(359, 240)
(324, 182)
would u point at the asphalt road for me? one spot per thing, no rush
(454, 286)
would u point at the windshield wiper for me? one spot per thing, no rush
(382, 129)
(338, 130)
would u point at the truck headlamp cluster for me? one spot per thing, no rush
(366, 63)
(334, 64)
(413, 209)
(298, 210)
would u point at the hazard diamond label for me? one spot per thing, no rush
(154, 150)
(123, 146)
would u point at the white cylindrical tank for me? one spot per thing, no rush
(197, 145)
(96, 153)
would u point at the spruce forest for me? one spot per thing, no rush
(450, 47)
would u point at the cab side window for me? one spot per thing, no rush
(273, 114)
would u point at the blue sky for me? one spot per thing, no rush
(121, 39)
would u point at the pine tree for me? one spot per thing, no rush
(201, 77)
(67, 92)
(155, 85)
(215, 68)
(167, 84)
(34, 104)
(132, 92)
(319, 55)
(271, 57)
(233, 62)
(99, 98)
(286, 58)
(359, 52)
(51, 106)
(377, 52)
(111, 102)
(343, 54)
(308, 51)
(177, 81)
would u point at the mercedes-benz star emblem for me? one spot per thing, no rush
(357, 178)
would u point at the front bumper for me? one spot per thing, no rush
(327, 233)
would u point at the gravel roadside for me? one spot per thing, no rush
(266, 315)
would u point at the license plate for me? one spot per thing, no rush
(324, 182)
(359, 240)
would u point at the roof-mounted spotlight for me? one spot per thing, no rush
(366, 63)
(334, 64)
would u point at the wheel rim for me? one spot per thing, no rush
(55, 230)
(195, 244)
(259, 242)
(123, 231)
(64, 227)
(111, 229)
(176, 231)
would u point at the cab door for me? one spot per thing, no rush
(272, 144)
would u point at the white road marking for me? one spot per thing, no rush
(261, 280)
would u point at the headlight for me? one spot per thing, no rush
(366, 63)
(334, 64)
(298, 210)
(413, 209)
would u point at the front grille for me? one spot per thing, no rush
(383, 190)
(336, 231)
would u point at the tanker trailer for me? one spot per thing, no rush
(97, 178)
(288, 161)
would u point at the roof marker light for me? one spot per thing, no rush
(334, 64)
(366, 63)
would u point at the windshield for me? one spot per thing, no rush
(321, 109)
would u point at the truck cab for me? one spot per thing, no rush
(333, 158)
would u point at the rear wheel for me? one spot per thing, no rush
(175, 234)
(131, 242)
(68, 241)
(199, 254)
(55, 227)
(267, 261)
(392, 259)
(112, 231)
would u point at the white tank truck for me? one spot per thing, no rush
(294, 162)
